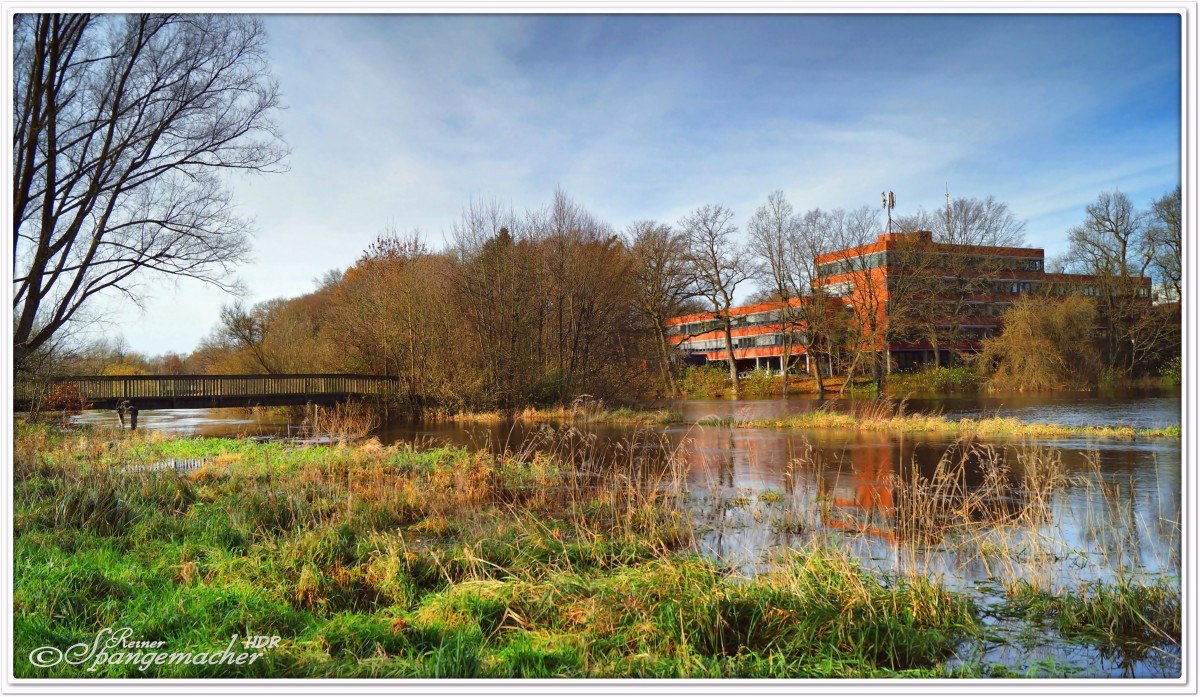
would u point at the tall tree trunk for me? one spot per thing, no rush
(668, 373)
(816, 364)
(729, 352)
(849, 371)
(783, 365)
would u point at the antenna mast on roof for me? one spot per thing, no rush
(889, 202)
(950, 236)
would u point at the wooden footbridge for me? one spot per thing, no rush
(201, 391)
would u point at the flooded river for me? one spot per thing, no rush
(983, 517)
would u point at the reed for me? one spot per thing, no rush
(887, 415)
(583, 410)
(342, 420)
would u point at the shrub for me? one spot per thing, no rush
(703, 381)
(1046, 344)
(960, 378)
(1172, 372)
(759, 384)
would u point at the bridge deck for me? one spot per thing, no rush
(197, 391)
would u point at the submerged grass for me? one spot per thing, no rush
(374, 561)
(1123, 610)
(626, 416)
(884, 415)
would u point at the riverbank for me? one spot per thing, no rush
(373, 561)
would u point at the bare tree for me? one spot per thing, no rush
(1112, 246)
(1166, 238)
(937, 275)
(815, 235)
(717, 261)
(496, 284)
(971, 221)
(124, 128)
(860, 279)
(774, 235)
(580, 261)
(245, 331)
(665, 281)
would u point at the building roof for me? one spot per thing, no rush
(894, 240)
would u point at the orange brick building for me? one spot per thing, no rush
(899, 291)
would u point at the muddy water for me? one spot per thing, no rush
(1088, 508)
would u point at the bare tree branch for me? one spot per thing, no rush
(125, 126)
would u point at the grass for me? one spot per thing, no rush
(884, 415)
(581, 411)
(550, 561)
(712, 382)
(373, 561)
(1121, 611)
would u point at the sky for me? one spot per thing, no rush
(399, 120)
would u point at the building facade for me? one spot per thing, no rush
(757, 333)
(921, 302)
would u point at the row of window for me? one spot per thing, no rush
(856, 263)
(743, 342)
(876, 260)
(753, 320)
(1092, 291)
(978, 310)
(995, 287)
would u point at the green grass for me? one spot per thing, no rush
(374, 561)
(1108, 612)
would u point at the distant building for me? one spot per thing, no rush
(757, 335)
(1164, 294)
(961, 289)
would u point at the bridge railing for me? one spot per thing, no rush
(166, 386)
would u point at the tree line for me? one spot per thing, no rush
(549, 304)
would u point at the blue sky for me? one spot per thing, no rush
(401, 119)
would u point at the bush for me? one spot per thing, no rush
(704, 381)
(759, 384)
(1046, 344)
(960, 378)
(1172, 372)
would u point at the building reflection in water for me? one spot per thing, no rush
(893, 499)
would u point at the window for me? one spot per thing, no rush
(839, 289)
